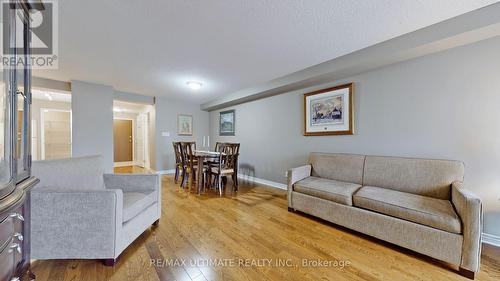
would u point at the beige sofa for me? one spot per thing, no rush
(419, 204)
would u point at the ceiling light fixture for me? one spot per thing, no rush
(194, 85)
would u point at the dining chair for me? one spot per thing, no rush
(218, 146)
(235, 148)
(179, 163)
(190, 163)
(224, 166)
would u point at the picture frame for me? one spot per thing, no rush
(329, 111)
(227, 123)
(184, 125)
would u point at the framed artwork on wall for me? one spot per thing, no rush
(227, 123)
(329, 111)
(184, 125)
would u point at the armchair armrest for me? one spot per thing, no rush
(75, 224)
(470, 210)
(132, 182)
(294, 175)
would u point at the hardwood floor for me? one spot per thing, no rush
(130, 170)
(254, 225)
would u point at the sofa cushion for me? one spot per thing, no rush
(423, 210)
(427, 177)
(135, 202)
(72, 174)
(337, 166)
(333, 190)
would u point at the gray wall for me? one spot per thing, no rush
(135, 98)
(445, 105)
(166, 121)
(92, 107)
(92, 111)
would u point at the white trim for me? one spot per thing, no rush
(124, 164)
(165, 172)
(491, 239)
(263, 181)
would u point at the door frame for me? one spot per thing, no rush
(42, 130)
(145, 140)
(125, 163)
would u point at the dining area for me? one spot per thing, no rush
(201, 170)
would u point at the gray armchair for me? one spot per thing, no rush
(80, 213)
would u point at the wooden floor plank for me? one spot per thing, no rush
(254, 224)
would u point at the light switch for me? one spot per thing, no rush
(165, 134)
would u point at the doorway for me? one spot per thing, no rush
(50, 124)
(55, 133)
(130, 134)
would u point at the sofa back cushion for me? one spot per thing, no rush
(72, 174)
(426, 177)
(336, 166)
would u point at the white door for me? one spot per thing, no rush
(140, 141)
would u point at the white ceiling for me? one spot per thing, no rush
(39, 94)
(153, 47)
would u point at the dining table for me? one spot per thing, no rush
(202, 156)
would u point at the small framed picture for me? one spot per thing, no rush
(227, 123)
(329, 111)
(184, 125)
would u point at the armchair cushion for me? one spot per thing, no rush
(135, 202)
(336, 191)
(420, 209)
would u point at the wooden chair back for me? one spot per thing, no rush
(187, 149)
(218, 146)
(178, 152)
(229, 156)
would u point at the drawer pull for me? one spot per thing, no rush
(15, 246)
(17, 216)
(19, 236)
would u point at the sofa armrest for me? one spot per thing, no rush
(470, 210)
(294, 175)
(132, 182)
(75, 224)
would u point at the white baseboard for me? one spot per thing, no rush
(165, 172)
(491, 239)
(263, 181)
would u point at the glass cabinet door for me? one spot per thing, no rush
(7, 88)
(23, 98)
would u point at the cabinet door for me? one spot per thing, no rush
(7, 90)
(23, 97)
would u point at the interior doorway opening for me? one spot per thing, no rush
(131, 134)
(51, 124)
